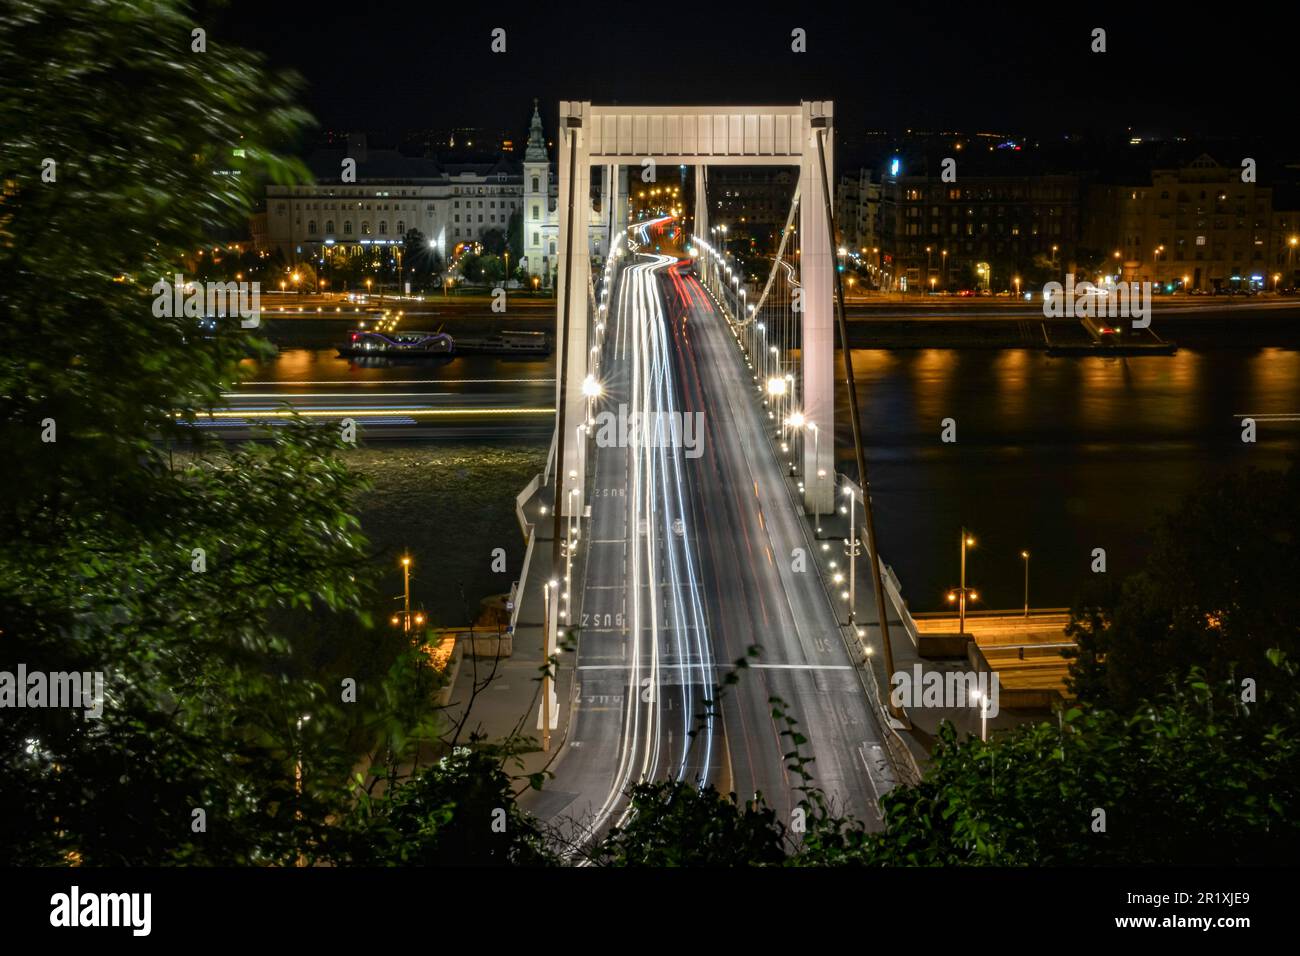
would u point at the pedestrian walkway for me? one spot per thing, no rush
(501, 688)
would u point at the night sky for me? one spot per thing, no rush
(393, 66)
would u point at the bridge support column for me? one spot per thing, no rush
(701, 222)
(574, 249)
(817, 274)
(620, 198)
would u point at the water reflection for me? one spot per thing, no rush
(1056, 455)
(315, 366)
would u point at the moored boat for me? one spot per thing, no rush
(397, 344)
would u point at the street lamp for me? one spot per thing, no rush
(821, 473)
(797, 422)
(851, 549)
(967, 541)
(406, 593)
(982, 699)
(592, 390)
(1025, 555)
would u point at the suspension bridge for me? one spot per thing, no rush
(719, 530)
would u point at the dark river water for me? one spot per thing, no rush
(1054, 455)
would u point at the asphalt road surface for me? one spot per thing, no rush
(687, 565)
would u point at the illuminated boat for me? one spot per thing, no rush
(362, 344)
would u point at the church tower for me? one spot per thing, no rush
(537, 174)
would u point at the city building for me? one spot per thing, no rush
(983, 230)
(451, 204)
(1194, 226)
(754, 199)
(857, 211)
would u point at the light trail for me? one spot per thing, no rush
(371, 383)
(663, 551)
(373, 412)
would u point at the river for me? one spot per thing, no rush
(1054, 455)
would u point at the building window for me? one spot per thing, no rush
(536, 187)
(311, 226)
(401, 227)
(365, 229)
(383, 227)
(536, 212)
(537, 240)
(329, 227)
(347, 228)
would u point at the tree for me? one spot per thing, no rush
(492, 269)
(677, 824)
(421, 261)
(1217, 591)
(1197, 777)
(494, 242)
(460, 811)
(181, 582)
(471, 267)
(515, 235)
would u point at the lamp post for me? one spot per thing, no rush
(851, 549)
(406, 593)
(821, 473)
(592, 390)
(547, 589)
(967, 541)
(982, 699)
(797, 422)
(1025, 555)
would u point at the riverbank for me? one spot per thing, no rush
(1218, 329)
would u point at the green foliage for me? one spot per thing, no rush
(515, 235)
(677, 824)
(1217, 591)
(471, 267)
(460, 811)
(205, 698)
(422, 264)
(494, 242)
(1195, 778)
(493, 269)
